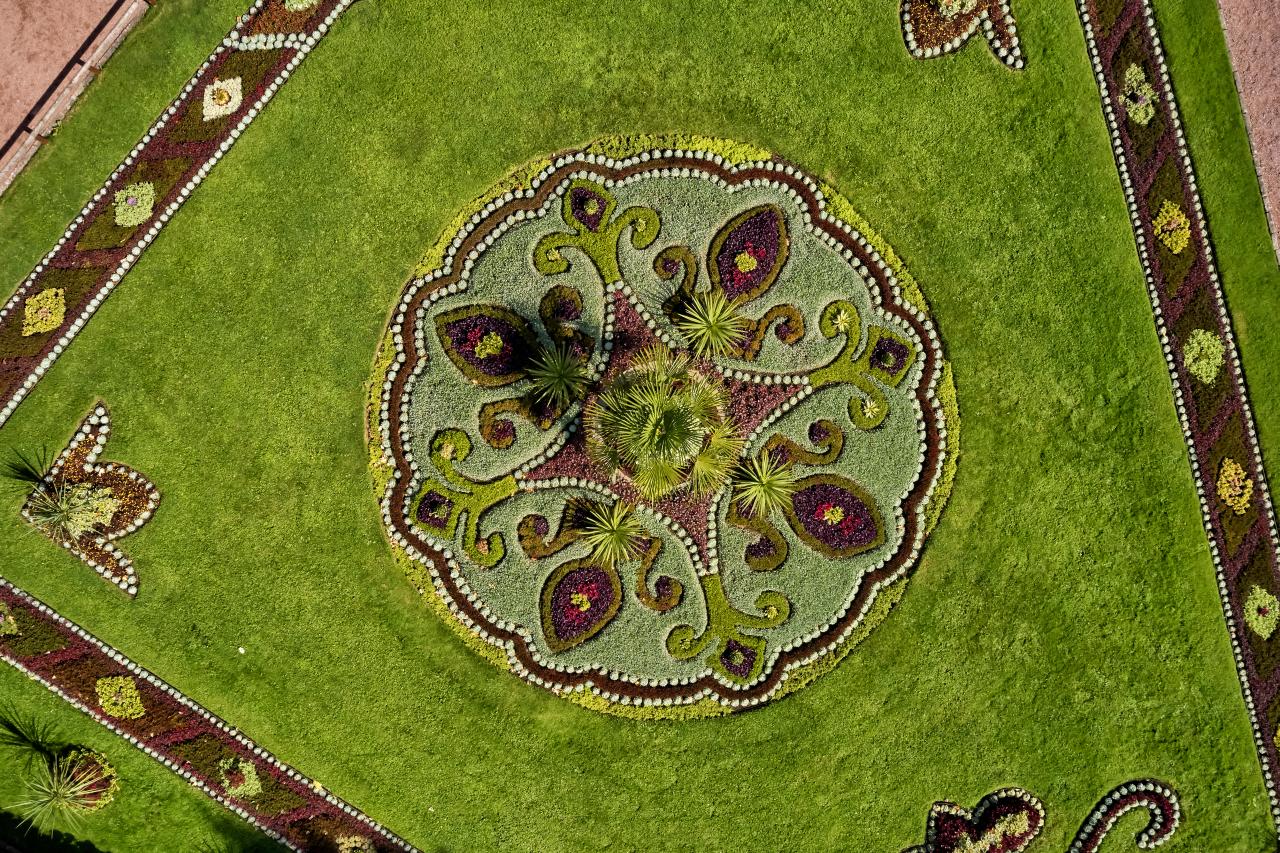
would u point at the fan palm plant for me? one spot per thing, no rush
(664, 425)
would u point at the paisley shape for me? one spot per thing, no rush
(667, 590)
(561, 313)
(835, 516)
(823, 432)
(488, 343)
(677, 261)
(578, 600)
(788, 327)
(748, 252)
(587, 206)
(535, 531)
(1006, 821)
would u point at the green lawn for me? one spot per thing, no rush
(1063, 632)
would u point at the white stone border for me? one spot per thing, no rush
(975, 814)
(1010, 56)
(98, 427)
(1154, 834)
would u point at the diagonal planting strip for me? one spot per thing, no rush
(122, 219)
(1199, 346)
(206, 751)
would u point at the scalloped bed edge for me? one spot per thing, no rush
(734, 153)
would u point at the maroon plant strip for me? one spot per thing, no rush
(1187, 296)
(181, 146)
(400, 495)
(173, 727)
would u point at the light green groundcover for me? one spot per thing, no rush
(1062, 632)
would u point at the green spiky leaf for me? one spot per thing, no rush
(711, 324)
(612, 532)
(559, 377)
(763, 484)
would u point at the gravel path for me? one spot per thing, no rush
(1253, 31)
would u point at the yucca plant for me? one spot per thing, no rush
(612, 532)
(663, 424)
(33, 738)
(711, 323)
(763, 484)
(67, 511)
(559, 376)
(28, 470)
(62, 791)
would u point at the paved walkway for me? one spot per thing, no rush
(49, 51)
(1253, 31)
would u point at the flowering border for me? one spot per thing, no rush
(1188, 302)
(931, 33)
(88, 276)
(1010, 819)
(72, 662)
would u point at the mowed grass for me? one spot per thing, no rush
(1063, 631)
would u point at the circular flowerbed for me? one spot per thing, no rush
(661, 428)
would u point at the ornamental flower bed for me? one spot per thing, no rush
(1009, 820)
(662, 428)
(86, 506)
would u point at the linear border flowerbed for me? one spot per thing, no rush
(106, 239)
(176, 731)
(1199, 345)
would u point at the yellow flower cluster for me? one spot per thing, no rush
(1235, 489)
(44, 312)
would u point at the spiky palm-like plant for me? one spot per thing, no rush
(62, 791)
(663, 424)
(559, 376)
(763, 484)
(32, 737)
(613, 532)
(61, 510)
(66, 511)
(711, 323)
(28, 470)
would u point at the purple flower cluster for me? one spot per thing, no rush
(580, 601)
(588, 207)
(889, 355)
(749, 253)
(486, 343)
(834, 516)
(738, 659)
(434, 510)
